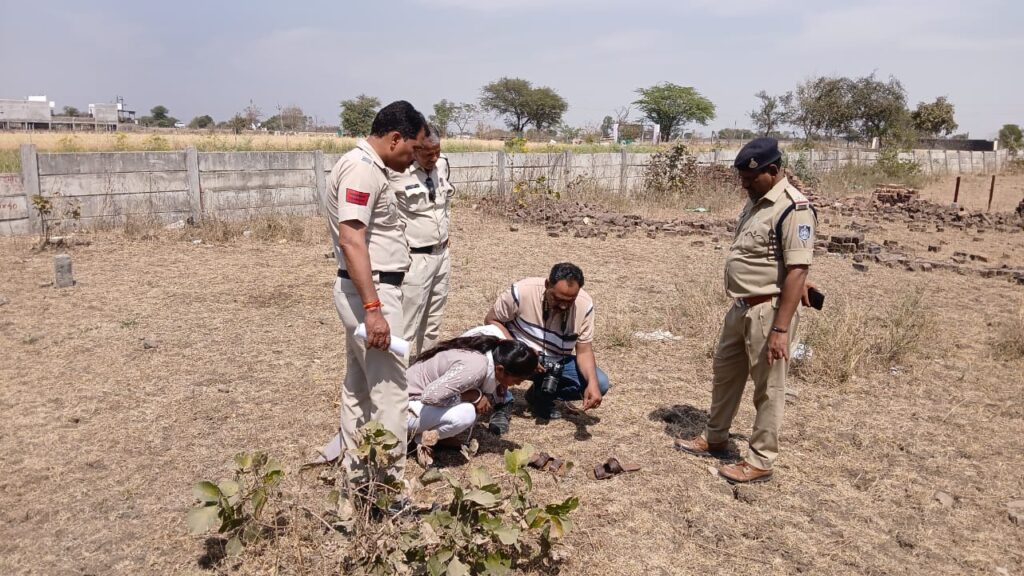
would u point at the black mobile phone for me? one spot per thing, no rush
(817, 298)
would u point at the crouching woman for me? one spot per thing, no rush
(449, 384)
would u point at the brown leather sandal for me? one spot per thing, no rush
(539, 460)
(612, 467)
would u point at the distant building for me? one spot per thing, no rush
(37, 113)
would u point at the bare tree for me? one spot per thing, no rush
(622, 114)
(463, 115)
(252, 115)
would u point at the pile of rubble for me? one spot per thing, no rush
(582, 220)
(889, 254)
(893, 203)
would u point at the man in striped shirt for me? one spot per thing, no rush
(555, 317)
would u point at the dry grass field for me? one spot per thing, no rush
(916, 387)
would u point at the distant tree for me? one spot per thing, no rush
(770, 113)
(463, 115)
(671, 107)
(568, 133)
(606, 126)
(443, 116)
(272, 124)
(738, 134)
(71, 111)
(521, 104)
(200, 122)
(159, 117)
(238, 123)
(879, 108)
(357, 114)
(622, 114)
(823, 106)
(252, 115)
(508, 97)
(545, 108)
(293, 118)
(1011, 138)
(935, 118)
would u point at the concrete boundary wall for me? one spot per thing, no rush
(107, 188)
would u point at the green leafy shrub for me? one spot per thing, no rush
(488, 526)
(236, 507)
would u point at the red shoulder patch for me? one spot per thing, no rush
(356, 197)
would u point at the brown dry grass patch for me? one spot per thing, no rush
(102, 438)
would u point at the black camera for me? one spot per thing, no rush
(553, 367)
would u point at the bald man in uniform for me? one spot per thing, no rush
(424, 193)
(373, 257)
(765, 274)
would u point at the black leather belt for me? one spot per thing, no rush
(752, 301)
(429, 249)
(392, 278)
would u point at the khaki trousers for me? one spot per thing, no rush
(424, 295)
(742, 351)
(374, 386)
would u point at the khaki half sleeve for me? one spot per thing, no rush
(359, 186)
(506, 308)
(586, 332)
(798, 237)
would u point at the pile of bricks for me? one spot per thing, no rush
(582, 220)
(893, 195)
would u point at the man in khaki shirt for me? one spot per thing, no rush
(424, 194)
(765, 273)
(373, 257)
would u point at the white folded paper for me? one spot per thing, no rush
(398, 345)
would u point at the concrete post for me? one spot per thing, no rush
(566, 170)
(623, 169)
(30, 182)
(320, 177)
(501, 172)
(62, 276)
(195, 188)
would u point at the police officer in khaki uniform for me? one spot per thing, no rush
(373, 257)
(424, 195)
(765, 273)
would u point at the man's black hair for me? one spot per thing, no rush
(565, 271)
(399, 116)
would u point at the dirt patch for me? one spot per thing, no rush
(102, 437)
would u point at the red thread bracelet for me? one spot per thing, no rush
(372, 305)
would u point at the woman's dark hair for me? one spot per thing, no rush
(399, 116)
(517, 358)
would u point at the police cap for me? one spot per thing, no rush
(757, 154)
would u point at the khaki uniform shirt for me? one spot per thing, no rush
(426, 222)
(753, 266)
(521, 310)
(358, 188)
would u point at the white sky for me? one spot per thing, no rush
(212, 57)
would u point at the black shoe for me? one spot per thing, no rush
(500, 419)
(542, 405)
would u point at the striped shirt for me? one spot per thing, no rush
(521, 310)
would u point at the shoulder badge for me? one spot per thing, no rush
(801, 205)
(367, 160)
